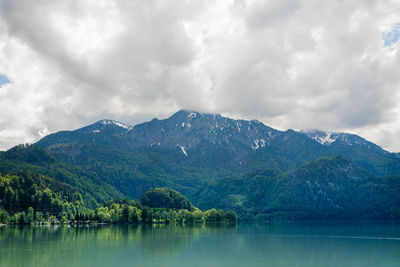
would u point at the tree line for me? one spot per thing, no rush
(117, 213)
(29, 198)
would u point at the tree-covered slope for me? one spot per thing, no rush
(330, 187)
(25, 189)
(36, 160)
(165, 198)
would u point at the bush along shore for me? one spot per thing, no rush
(156, 206)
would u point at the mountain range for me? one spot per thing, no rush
(225, 163)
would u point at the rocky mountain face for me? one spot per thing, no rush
(185, 130)
(212, 141)
(190, 129)
(338, 140)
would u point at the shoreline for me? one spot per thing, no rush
(108, 223)
(211, 223)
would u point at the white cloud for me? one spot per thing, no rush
(292, 64)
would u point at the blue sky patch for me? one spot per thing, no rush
(393, 36)
(3, 79)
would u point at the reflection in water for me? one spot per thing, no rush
(167, 240)
(271, 244)
(50, 245)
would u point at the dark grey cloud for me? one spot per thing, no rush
(292, 64)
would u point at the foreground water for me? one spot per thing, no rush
(269, 244)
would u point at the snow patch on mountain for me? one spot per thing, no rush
(258, 143)
(238, 125)
(192, 115)
(325, 140)
(155, 144)
(183, 150)
(116, 123)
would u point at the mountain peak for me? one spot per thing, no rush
(208, 138)
(342, 139)
(324, 138)
(192, 114)
(114, 123)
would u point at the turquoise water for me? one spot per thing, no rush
(266, 244)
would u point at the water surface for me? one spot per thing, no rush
(256, 244)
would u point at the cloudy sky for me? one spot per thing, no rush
(330, 65)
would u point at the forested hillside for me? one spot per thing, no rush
(218, 162)
(328, 188)
(189, 147)
(36, 160)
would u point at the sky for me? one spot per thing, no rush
(298, 64)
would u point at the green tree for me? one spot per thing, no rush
(231, 216)
(211, 215)
(147, 215)
(125, 214)
(165, 198)
(4, 218)
(20, 217)
(39, 217)
(30, 215)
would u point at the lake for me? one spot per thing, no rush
(245, 244)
